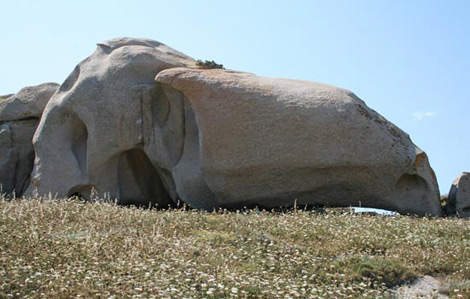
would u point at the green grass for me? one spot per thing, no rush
(376, 269)
(455, 289)
(67, 248)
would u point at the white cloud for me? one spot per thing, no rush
(419, 115)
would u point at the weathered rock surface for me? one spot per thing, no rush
(19, 118)
(28, 103)
(91, 134)
(458, 201)
(218, 138)
(270, 142)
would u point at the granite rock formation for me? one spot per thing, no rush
(19, 118)
(140, 122)
(458, 201)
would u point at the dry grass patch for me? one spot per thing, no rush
(68, 248)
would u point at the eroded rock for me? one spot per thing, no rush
(275, 142)
(458, 201)
(19, 118)
(92, 132)
(219, 138)
(28, 103)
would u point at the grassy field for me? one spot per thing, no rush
(59, 249)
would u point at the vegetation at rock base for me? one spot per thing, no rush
(209, 64)
(67, 248)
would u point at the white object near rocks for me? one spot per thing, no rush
(423, 287)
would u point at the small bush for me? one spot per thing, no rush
(209, 64)
(378, 270)
(444, 199)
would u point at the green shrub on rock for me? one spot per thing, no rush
(209, 64)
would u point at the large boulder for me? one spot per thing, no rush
(91, 135)
(274, 142)
(458, 201)
(19, 118)
(219, 138)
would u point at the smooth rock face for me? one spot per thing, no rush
(458, 201)
(275, 142)
(19, 118)
(92, 133)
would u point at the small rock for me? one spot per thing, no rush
(424, 287)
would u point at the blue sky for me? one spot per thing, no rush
(408, 59)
